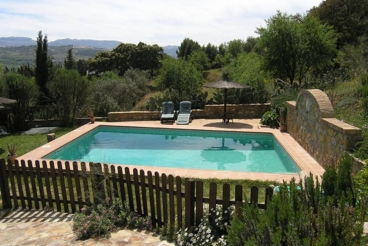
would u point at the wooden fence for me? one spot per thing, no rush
(67, 187)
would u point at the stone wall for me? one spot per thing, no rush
(240, 111)
(133, 116)
(312, 123)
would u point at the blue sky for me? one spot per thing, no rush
(161, 22)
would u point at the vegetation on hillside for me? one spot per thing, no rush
(14, 57)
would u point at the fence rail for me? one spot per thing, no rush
(68, 186)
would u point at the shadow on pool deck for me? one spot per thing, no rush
(235, 125)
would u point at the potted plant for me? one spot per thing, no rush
(12, 152)
(91, 116)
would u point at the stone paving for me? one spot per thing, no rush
(53, 228)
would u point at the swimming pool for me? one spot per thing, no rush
(210, 150)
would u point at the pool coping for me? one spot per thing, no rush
(301, 157)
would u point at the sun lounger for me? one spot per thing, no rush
(168, 112)
(185, 113)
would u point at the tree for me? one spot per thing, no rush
(186, 48)
(82, 67)
(292, 48)
(146, 57)
(102, 62)
(26, 70)
(114, 93)
(235, 47)
(348, 18)
(71, 92)
(354, 58)
(180, 75)
(247, 69)
(24, 91)
(251, 45)
(43, 68)
(200, 60)
(211, 52)
(126, 56)
(69, 62)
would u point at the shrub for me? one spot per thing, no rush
(100, 220)
(305, 214)
(211, 230)
(361, 188)
(270, 118)
(93, 222)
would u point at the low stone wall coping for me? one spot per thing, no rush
(240, 111)
(341, 126)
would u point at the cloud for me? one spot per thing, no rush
(159, 22)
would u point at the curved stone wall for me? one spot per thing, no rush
(312, 123)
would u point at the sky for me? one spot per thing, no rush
(160, 22)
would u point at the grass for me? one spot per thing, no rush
(26, 143)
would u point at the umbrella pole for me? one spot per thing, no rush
(225, 96)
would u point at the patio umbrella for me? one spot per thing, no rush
(225, 84)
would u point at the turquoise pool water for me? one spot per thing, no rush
(245, 152)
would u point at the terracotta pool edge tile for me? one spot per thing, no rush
(297, 153)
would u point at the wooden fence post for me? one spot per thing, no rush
(5, 193)
(269, 193)
(238, 200)
(189, 202)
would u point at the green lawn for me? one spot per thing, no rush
(25, 143)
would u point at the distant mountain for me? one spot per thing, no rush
(104, 44)
(77, 43)
(16, 41)
(171, 50)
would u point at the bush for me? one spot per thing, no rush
(270, 118)
(102, 219)
(305, 214)
(211, 230)
(361, 187)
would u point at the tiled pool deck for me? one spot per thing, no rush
(299, 155)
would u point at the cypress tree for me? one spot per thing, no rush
(42, 68)
(69, 62)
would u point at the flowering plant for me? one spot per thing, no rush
(96, 222)
(211, 230)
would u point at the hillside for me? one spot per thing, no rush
(22, 55)
(17, 51)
